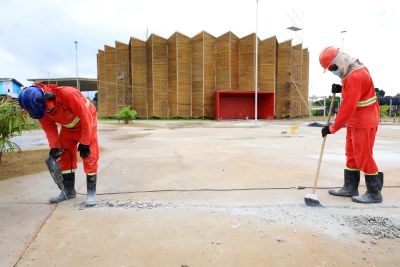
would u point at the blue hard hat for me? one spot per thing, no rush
(32, 100)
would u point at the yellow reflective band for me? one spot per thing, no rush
(91, 173)
(370, 173)
(353, 170)
(73, 123)
(68, 171)
(76, 119)
(366, 102)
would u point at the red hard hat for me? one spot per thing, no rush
(327, 55)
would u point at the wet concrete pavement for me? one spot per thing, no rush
(256, 216)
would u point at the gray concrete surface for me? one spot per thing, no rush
(233, 226)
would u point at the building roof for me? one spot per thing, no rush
(11, 79)
(86, 84)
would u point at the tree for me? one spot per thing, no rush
(379, 93)
(126, 114)
(398, 94)
(12, 122)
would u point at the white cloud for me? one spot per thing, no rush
(40, 34)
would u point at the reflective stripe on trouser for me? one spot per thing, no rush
(359, 149)
(69, 140)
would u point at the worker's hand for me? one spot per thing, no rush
(84, 151)
(325, 131)
(336, 88)
(55, 152)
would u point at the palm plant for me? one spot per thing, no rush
(126, 114)
(12, 122)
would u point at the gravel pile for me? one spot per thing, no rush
(378, 227)
(127, 204)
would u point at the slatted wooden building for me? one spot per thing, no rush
(138, 70)
(227, 62)
(179, 76)
(157, 77)
(203, 75)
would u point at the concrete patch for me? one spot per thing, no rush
(378, 227)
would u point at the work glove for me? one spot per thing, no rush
(336, 88)
(84, 151)
(325, 131)
(55, 152)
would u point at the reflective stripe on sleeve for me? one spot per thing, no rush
(366, 102)
(76, 119)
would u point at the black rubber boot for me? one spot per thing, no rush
(374, 185)
(91, 189)
(69, 189)
(350, 187)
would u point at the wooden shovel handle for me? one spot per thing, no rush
(323, 144)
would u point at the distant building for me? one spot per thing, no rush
(85, 84)
(10, 87)
(88, 86)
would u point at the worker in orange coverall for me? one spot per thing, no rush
(66, 106)
(360, 112)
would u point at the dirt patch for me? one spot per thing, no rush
(378, 227)
(129, 137)
(28, 162)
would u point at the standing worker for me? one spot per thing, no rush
(66, 106)
(360, 112)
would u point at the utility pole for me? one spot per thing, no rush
(256, 70)
(76, 60)
(342, 33)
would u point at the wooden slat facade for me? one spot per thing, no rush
(157, 77)
(267, 62)
(282, 101)
(138, 68)
(179, 76)
(124, 91)
(110, 81)
(296, 82)
(101, 73)
(203, 75)
(227, 62)
(305, 78)
(246, 62)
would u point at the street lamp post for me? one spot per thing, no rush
(342, 33)
(76, 61)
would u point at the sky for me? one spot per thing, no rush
(37, 36)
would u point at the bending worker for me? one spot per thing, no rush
(66, 106)
(360, 112)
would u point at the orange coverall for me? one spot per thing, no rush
(78, 120)
(360, 111)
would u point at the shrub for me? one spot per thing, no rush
(384, 111)
(126, 114)
(12, 122)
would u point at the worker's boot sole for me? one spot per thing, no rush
(62, 197)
